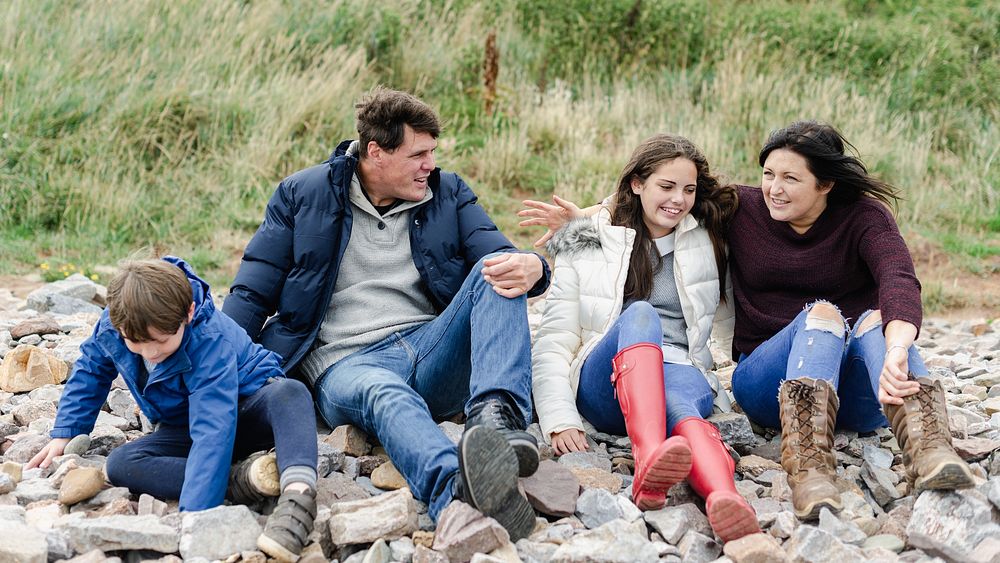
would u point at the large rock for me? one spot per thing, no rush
(951, 524)
(387, 477)
(336, 488)
(39, 325)
(28, 367)
(552, 490)
(79, 484)
(673, 522)
(614, 542)
(113, 533)
(348, 439)
(755, 548)
(596, 507)
(387, 516)
(698, 548)
(586, 459)
(218, 532)
(810, 544)
(25, 448)
(21, 543)
(594, 478)
(463, 531)
(735, 429)
(30, 411)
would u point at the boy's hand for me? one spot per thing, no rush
(44, 458)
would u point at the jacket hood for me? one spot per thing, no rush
(200, 291)
(577, 236)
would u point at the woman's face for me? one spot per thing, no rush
(667, 195)
(792, 194)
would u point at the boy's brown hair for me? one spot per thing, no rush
(148, 294)
(382, 114)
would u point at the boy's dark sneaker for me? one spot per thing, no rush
(288, 527)
(498, 415)
(487, 480)
(254, 479)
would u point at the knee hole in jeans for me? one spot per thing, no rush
(825, 316)
(871, 321)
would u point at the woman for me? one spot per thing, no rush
(814, 246)
(618, 313)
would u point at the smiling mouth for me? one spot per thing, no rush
(779, 202)
(670, 211)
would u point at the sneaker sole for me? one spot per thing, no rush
(527, 456)
(276, 550)
(264, 476)
(731, 517)
(489, 472)
(947, 475)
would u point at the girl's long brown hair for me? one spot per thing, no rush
(713, 207)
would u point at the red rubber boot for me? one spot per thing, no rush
(659, 463)
(712, 478)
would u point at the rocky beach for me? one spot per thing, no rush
(367, 514)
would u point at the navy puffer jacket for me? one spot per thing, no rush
(290, 266)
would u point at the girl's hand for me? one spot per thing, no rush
(894, 382)
(53, 449)
(571, 440)
(543, 214)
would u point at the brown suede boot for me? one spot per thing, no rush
(921, 428)
(808, 414)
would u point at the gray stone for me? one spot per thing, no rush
(34, 490)
(105, 497)
(735, 429)
(7, 483)
(810, 544)
(614, 542)
(402, 549)
(846, 532)
(337, 487)
(755, 548)
(218, 532)
(25, 448)
(585, 459)
(884, 541)
(112, 533)
(330, 459)
(784, 525)
(881, 482)
(951, 524)
(552, 490)
(596, 507)
(78, 445)
(33, 410)
(103, 439)
(698, 548)
(877, 457)
(57, 541)
(40, 325)
(51, 393)
(379, 552)
(21, 543)
(673, 522)
(426, 555)
(60, 304)
(389, 516)
(535, 552)
(463, 531)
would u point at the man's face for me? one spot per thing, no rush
(405, 170)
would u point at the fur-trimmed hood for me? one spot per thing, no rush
(577, 236)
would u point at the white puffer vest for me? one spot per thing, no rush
(588, 287)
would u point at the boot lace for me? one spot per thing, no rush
(495, 414)
(806, 408)
(935, 430)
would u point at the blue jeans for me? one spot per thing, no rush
(278, 415)
(688, 392)
(852, 363)
(478, 348)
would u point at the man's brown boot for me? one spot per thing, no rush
(921, 428)
(808, 414)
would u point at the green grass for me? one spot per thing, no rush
(145, 124)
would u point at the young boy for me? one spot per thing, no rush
(213, 395)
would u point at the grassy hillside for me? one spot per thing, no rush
(145, 123)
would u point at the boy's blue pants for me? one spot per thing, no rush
(280, 414)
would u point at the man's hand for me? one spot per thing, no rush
(513, 274)
(44, 458)
(543, 214)
(570, 440)
(894, 382)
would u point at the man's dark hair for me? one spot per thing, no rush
(383, 112)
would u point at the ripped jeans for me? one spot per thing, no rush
(818, 348)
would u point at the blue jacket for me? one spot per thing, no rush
(290, 266)
(198, 386)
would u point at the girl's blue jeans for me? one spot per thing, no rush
(850, 361)
(687, 391)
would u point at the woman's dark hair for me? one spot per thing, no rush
(823, 148)
(714, 205)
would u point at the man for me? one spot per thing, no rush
(395, 296)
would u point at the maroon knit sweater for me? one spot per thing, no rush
(853, 256)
